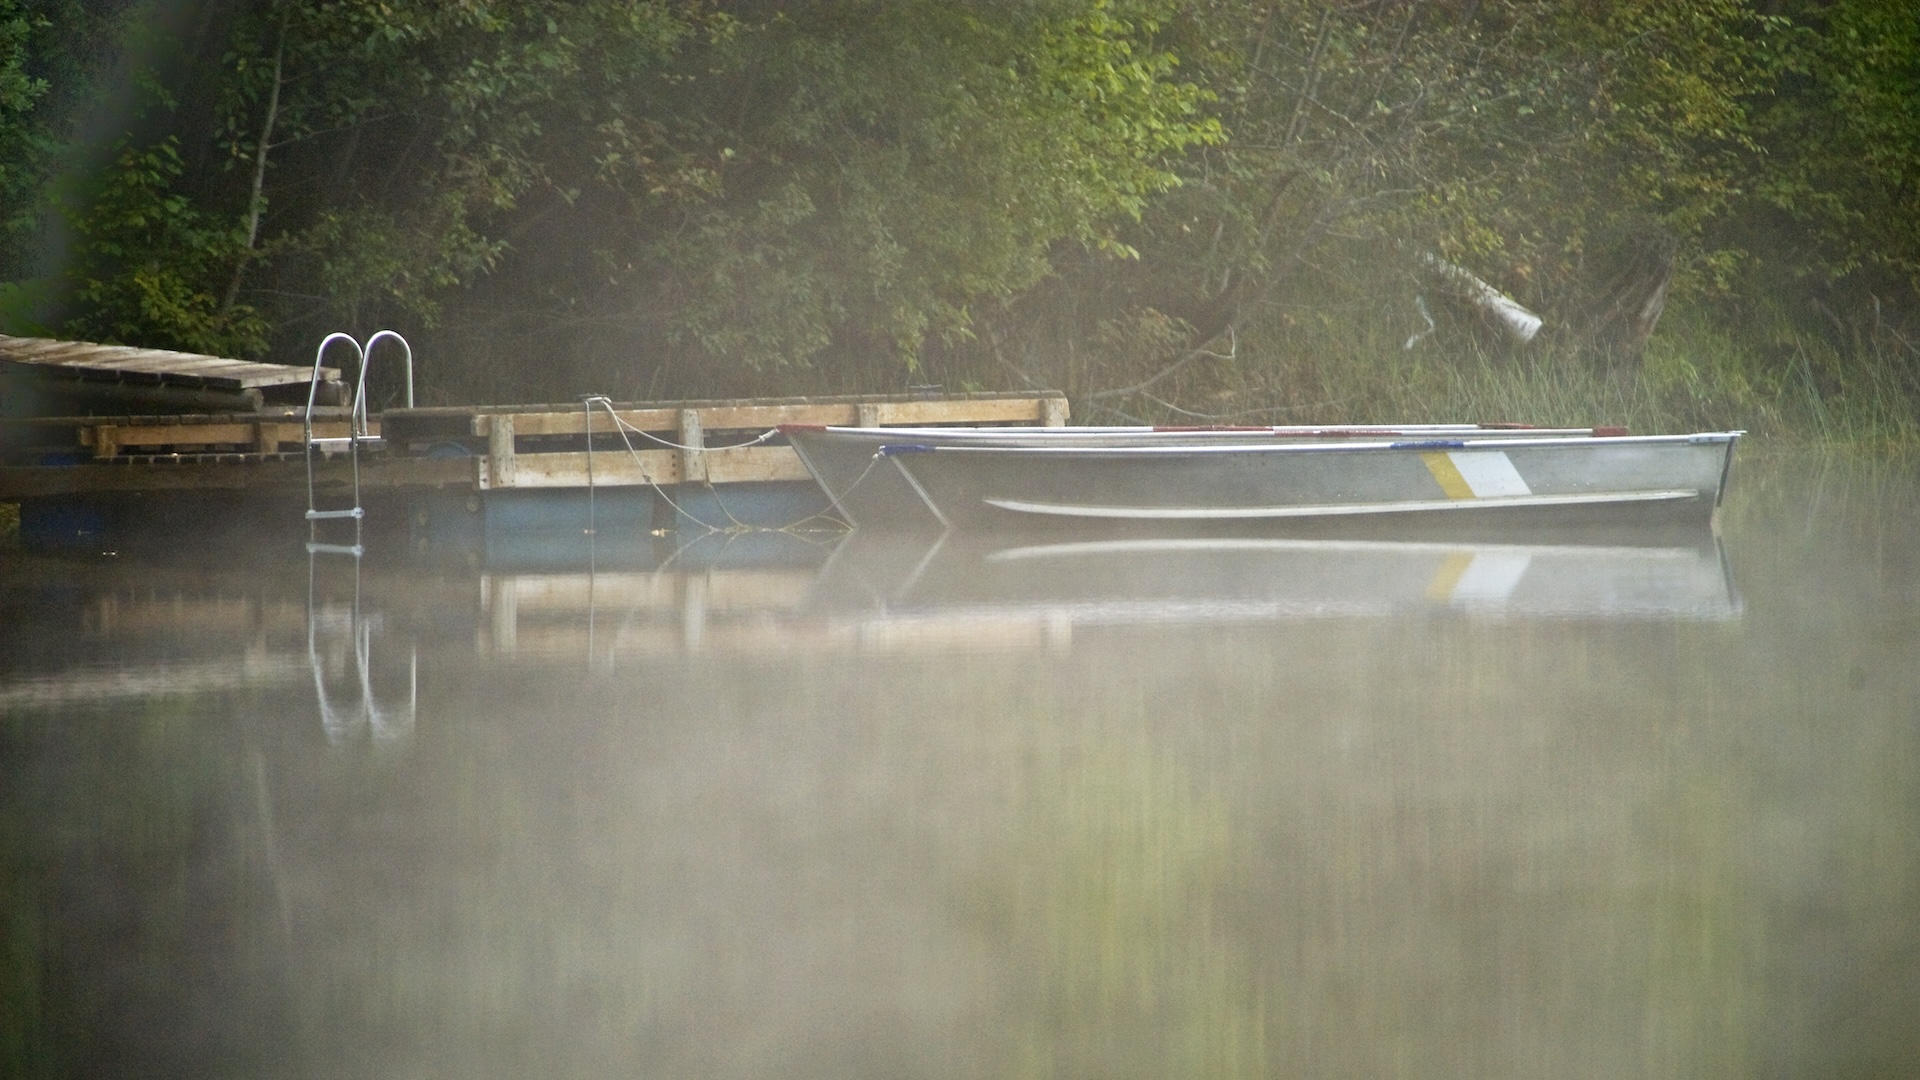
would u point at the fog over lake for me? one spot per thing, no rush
(791, 805)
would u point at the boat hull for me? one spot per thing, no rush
(1533, 481)
(867, 491)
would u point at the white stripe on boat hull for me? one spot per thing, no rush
(1223, 513)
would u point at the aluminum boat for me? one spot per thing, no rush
(1508, 478)
(869, 492)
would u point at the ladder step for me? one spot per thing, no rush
(354, 550)
(345, 443)
(329, 515)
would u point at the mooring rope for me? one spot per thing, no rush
(735, 524)
(607, 403)
(871, 462)
(620, 426)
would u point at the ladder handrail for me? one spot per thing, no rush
(313, 386)
(360, 393)
(363, 356)
(306, 446)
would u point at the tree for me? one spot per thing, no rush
(741, 187)
(1514, 138)
(842, 182)
(151, 260)
(1837, 188)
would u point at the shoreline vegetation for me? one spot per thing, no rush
(1802, 394)
(1672, 217)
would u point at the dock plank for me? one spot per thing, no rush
(265, 436)
(82, 359)
(229, 472)
(726, 465)
(747, 417)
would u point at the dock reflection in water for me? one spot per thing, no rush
(761, 806)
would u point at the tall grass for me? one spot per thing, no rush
(1770, 379)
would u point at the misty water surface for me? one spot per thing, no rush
(1621, 810)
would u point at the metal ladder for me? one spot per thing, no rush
(356, 436)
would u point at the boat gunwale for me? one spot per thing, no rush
(1717, 438)
(1049, 434)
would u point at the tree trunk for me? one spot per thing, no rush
(255, 204)
(1626, 285)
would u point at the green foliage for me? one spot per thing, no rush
(749, 187)
(891, 165)
(31, 70)
(679, 197)
(1842, 138)
(18, 88)
(152, 260)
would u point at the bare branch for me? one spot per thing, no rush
(1190, 356)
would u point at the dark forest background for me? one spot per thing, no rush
(1220, 210)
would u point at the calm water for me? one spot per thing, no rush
(1644, 807)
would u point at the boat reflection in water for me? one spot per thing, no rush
(889, 591)
(1662, 574)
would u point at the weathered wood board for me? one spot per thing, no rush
(81, 359)
(227, 472)
(456, 422)
(727, 465)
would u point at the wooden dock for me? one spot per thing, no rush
(479, 449)
(40, 377)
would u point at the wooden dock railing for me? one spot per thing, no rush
(138, 435)
(484, 447)
(693, 456)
